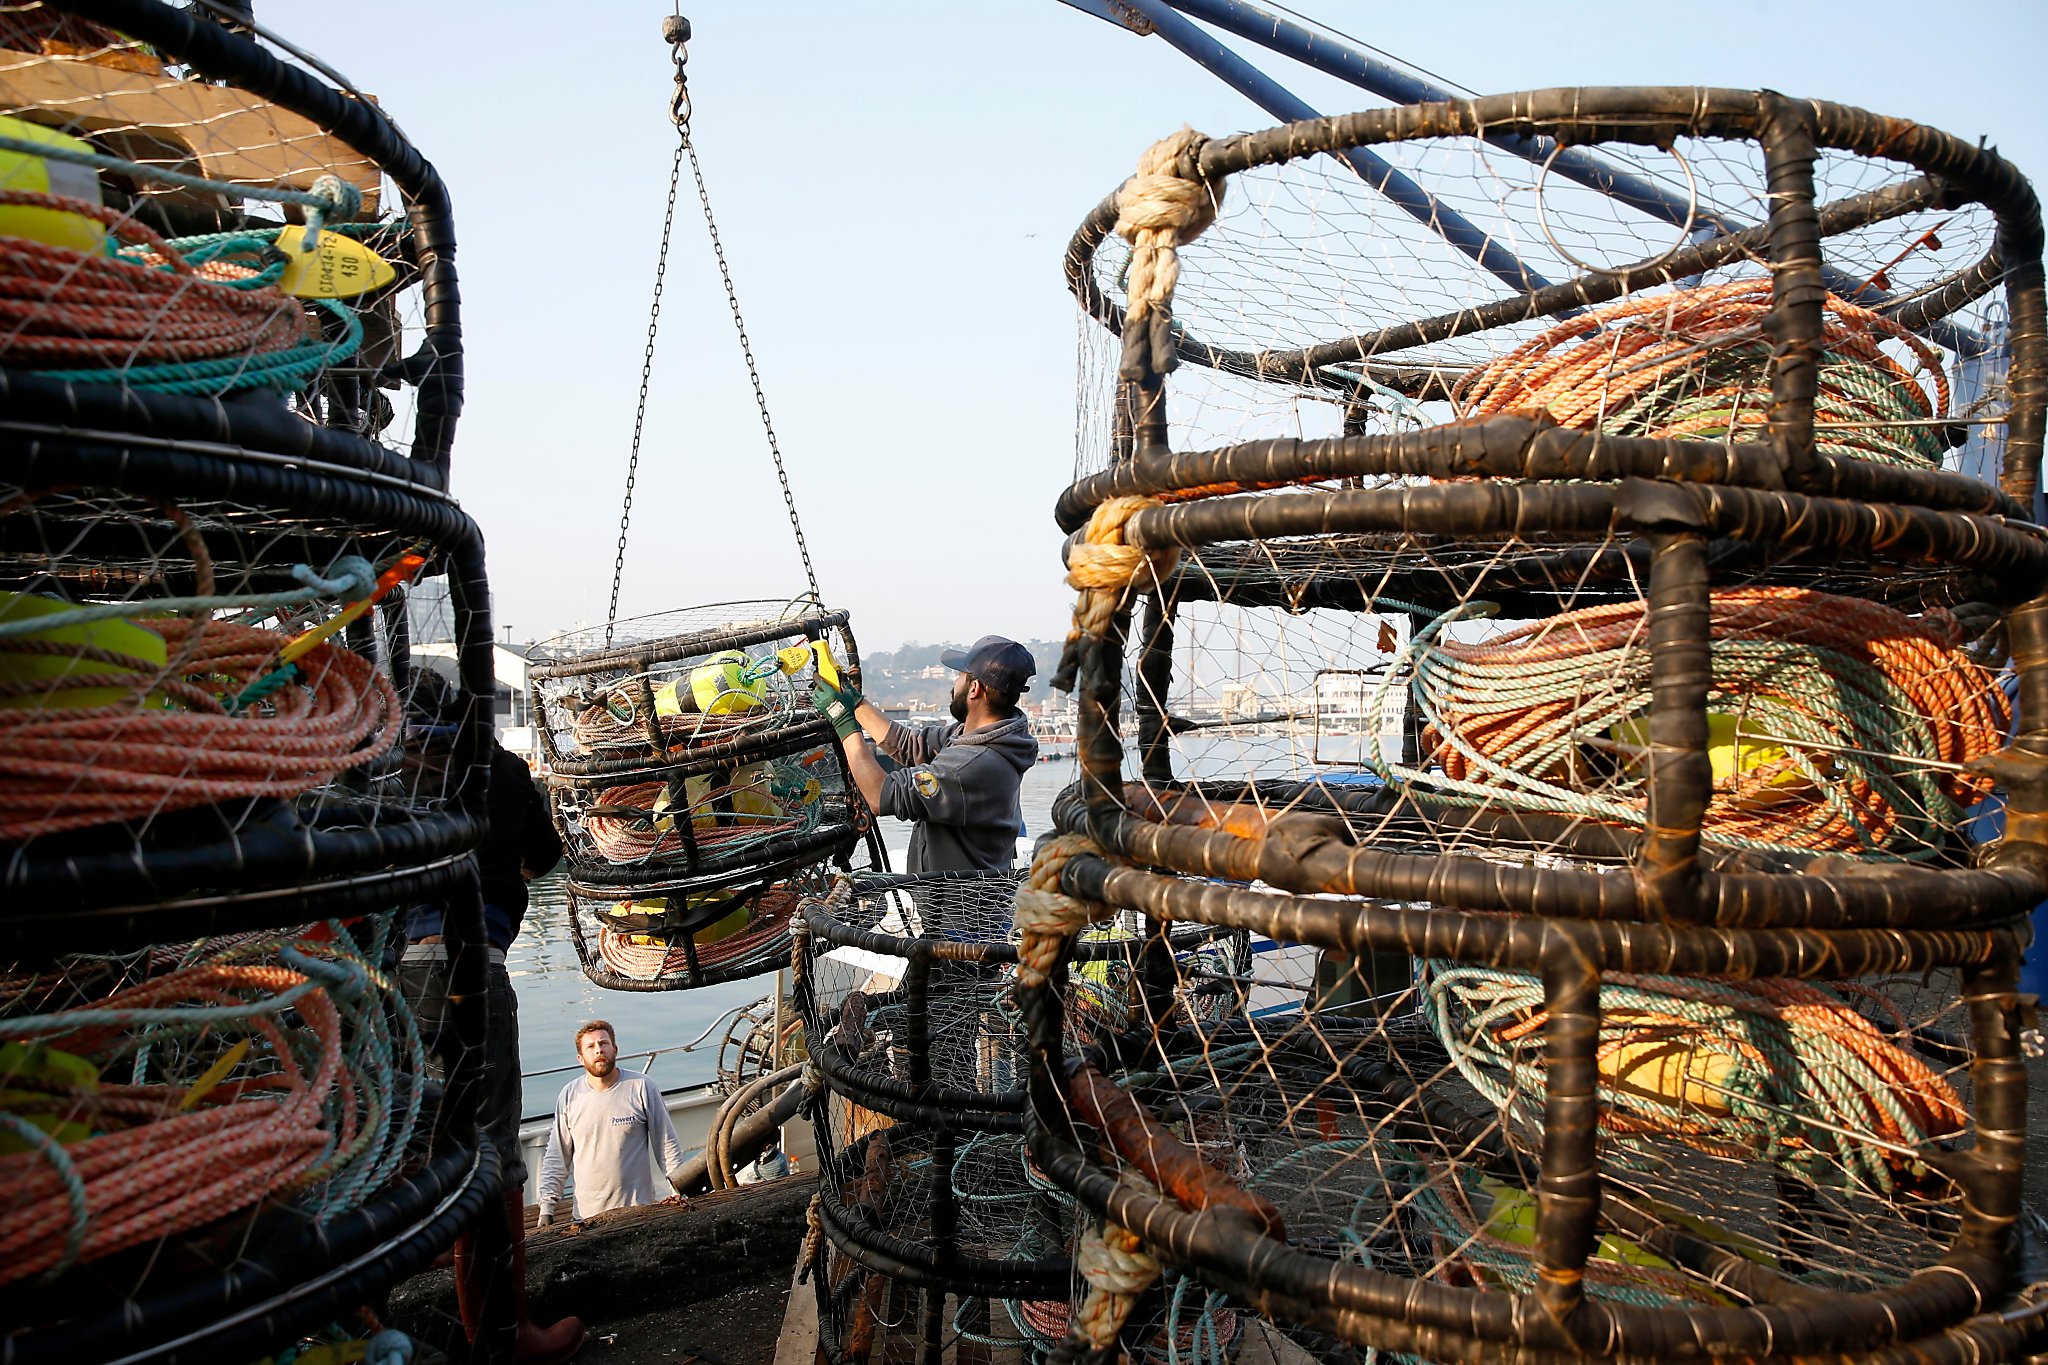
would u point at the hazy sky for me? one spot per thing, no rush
(895, 183)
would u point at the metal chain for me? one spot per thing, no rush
(739, 323)
(668, 223)
(677, 32)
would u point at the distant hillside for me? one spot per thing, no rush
(898, 677)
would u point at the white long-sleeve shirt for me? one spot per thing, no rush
(603, 1137)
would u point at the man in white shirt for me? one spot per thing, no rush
(606, 1125)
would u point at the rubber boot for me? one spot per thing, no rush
(469, 1291)
(535, 1345)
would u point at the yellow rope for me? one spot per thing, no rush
(1104, 570)
(1044, 916)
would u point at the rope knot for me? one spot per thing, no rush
(1105, 570)
(352, 577)
(1044, 916)
(341, 202)
(1118, 1269)
(1160, 210)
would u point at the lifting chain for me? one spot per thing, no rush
(676, 30)
(681, 108)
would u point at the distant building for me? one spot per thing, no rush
(1238, 701)
(510, 707)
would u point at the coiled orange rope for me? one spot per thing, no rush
(649, 961)
(629, 827)
(68, 769)
(65, 308)
(1781, 1069)
(1692, 363)
(599, 727)
(153, 1169)
(1869, 689)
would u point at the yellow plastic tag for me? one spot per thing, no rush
(828, 667)
(337, 267)
(215, 1074)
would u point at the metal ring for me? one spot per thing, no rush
(1692, 217)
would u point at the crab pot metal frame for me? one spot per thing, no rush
(920, 1119)
(1666, 909)
(301, 492)
(776, 865)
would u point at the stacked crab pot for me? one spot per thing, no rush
(230, 370)
(1658, 932)
(907, 988)
(697, 792)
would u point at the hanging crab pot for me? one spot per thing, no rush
(1723, 1036)
(696, 789)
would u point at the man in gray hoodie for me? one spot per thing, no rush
(959, 785)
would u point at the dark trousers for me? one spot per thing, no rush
(426, 989)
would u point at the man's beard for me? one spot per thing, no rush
(959, 707)
(603, 1066)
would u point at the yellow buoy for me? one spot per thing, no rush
(654, 907)
(48, 175)
(1683, 1070)
(114, 636)
(1737, 752)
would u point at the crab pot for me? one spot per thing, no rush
(697, 792)
(1626, 659)
(906, 985)
(697, 755)
(228, 440)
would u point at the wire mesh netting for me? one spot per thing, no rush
(1314, 305)
(907, 989)
(212, 706)
(1573, 603)
(178, 236)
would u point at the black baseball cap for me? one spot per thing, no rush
(995, 661)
